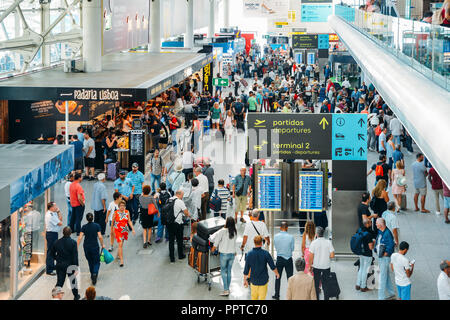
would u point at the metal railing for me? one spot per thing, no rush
(423, 46)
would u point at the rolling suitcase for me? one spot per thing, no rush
(192, 257)
(202, 262)
(200, 244)
(331, 286)
(113, 171)
(403, 203)
(207, 227)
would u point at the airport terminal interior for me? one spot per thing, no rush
(224, 150)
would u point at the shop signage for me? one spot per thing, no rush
(333, 37)
(207, 78)
(221, 82)
(82, 94)
(304, 41)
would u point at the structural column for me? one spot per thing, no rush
(92, 36)
(226, 13)
(189, 38)
(212, 19)
(155, 26)
(45, 23)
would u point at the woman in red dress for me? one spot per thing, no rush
(121, 221)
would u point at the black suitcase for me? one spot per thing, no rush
(331, 286)
(207, 227)
(200, 244)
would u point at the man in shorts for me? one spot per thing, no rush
(89, 155)
(78, 154)
(241, 188)
(420, 183)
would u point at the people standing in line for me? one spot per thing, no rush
(382, 141)
(420, 183)
(156, 166)
(308, 236)
(322, 252)
(365, 258)
(384, 247)
(225, 240)
(137, 181)
(446, 202)
(204, 188)
(99, 198)
(437, 187)
(146, 218)
(403, 269)
(91, 232)
(122, 221)
(284, 244)
(77, 201)
(390, 147)
(443, 281)
(65, 253)
(390, 218)
(396, 129)
(176, 228)
(67, 194)
(398, 188)
(241, 189)
(301, 285)
(77, 153)
(208, 171)
(161, 198)
(224, 195)
(379, 204)
(188, 162)
(112, 207)
(256, 265)
(398, 156)
(253, 229)
(89, 155)
(53, 223)
(176, 178)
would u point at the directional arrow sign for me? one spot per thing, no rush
(220, 82)
(361, 122)
(361, 137)
(323, 122)
(361, 151)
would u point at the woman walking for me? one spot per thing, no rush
(308, 237)
(225, 240)
(121, 221)
(228, 126)
(147, 201)
(398, 189)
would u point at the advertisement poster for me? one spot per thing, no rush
(207, 78)
(16, 194)
(57, 110)
(266, 8)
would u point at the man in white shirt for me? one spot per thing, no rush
(443, 281)
(89, 155)
(321, 252)
(391, 220)
(204, 188)
(346, 83)
(403, 270)
(188, 162)
(67, 193)
(53, 223)
(396, 129)
(176, 228)
(253, 229)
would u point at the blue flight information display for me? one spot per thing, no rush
(269, 190)
(310, 187)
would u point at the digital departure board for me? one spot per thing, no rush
(269, 190)
(137, 142)
(310, 187)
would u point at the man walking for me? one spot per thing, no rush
(53, 223)
(403, 270)
(137, 181)
(241, 188)
(253, 229)
(175, 229)
(301, 285)
(284, 245)
(92, 234)
(384, 247)
(321, 252)
(77, 201)
(256, 264)
(66, 255)
(365, 258)
(204, 189)
(99, 197)
(420, 183)
(208, 171)
(89, 155)
(437, 187)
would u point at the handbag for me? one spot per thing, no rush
(106, 257)
(152, 209)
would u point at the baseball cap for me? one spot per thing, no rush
(135, 165)
(122, 172)
(101, 176)
(56, 291)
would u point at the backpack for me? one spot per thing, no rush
(379, 172)
(215, 203)
(164, 196)
(167, 213)
(356, 242)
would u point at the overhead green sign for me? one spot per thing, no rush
(220, 82)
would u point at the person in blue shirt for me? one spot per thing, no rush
(78, 153)
(284, 245)
(397, 156)
(80, 134)
(257, 261)
(99, 197)
(123, 186)
(137, 180)
(384, 240)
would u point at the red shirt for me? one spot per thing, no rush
(436, 181)
(173, 121)
(75, 189)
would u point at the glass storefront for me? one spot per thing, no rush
(5, 258)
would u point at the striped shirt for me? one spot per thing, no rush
(223, 194)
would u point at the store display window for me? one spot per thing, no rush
(5, 258)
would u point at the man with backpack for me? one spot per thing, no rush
(362, 244)
(163, 198)
(381, 168)
(172, 217)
